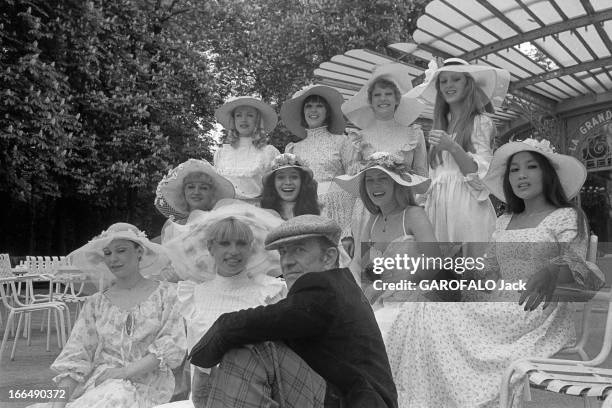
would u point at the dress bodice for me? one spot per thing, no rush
(201, 304)
(405, 141)
(245, 165)
(323, 151)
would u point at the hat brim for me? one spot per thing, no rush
(494, 83)
(291, 112)
(171, 198)
(351, 184)
(571, 172)
(359, 110)
(288, 166)
(223, 114)
(288, 240)
(91, 255)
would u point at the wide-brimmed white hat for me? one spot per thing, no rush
(223, 114)
(189, 251)
(90, 257)
(494, 82)
(390, 164)
(287, 161)
(291, 112)
(570, 170)
(170, 197)
(359, 111)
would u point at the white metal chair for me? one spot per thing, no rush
(577, 378)
(5, 272)
(39, 269)
(62, 287)
(17, 308)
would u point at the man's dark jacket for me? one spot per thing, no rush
(329, 323)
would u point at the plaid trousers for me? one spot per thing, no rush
(265, 375)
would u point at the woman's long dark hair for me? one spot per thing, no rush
(551, 187)
(305, 203)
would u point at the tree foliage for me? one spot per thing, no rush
(271, 48)
(101, 97)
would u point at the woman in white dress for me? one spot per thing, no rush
(454, 355)
(239, 283)
(396, 226)
(385, 119)
(313, 114)
(246, 156)
(458, 204)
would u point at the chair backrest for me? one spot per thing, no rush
(587, 311)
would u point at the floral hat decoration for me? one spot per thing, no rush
(389, 163)
(494, 82)
(287, 161)
(170, 197)
(291, 112)
(572, 173)
(224, 116)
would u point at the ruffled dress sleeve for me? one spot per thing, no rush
(270, 152)
(484, 130)
(77, 357)
(564, 227)
(170, 343)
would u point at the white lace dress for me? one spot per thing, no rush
(328, 156)
(202, 303)
(245, 166)
(454, 354)
(458, 206)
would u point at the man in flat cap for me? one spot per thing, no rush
(318, 347)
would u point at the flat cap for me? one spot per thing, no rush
(303, 226)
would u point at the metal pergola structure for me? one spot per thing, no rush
(558, 52)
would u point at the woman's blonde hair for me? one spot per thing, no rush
(260, 139)
(385, 83)
(475, 102)
(403, 196)
(228, 229)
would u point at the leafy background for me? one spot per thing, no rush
(99, 99)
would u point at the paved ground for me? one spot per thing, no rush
(30, 369)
